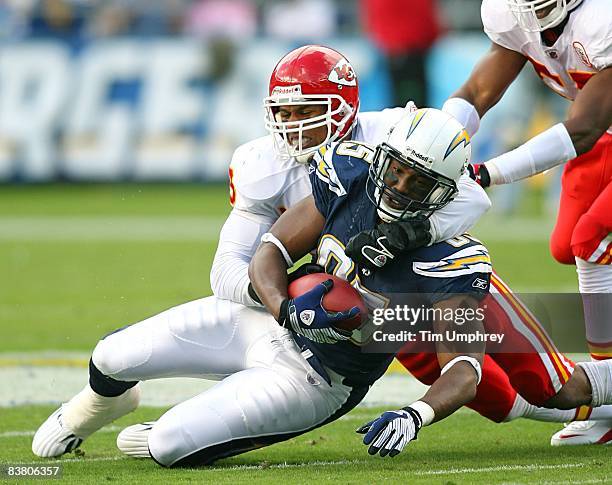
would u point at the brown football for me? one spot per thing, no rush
(341, 297)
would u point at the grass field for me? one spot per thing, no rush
(80, 261)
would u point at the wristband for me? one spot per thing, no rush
(425, 411)
(464, 112)
(544, 151)
(271, 238)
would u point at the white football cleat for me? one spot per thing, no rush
(584, 433)
(53, 438)
(134, 440)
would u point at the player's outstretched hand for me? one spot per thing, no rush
(375, 248)
(389, 434)
(480, 174)
(306, 316)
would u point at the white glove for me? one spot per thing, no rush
(391, 431)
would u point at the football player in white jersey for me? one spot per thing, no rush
(569, 44)
(225, 334)
(313, 100)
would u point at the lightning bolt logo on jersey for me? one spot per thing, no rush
(461, 265)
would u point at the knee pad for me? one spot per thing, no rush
(589, 239)
(103, 365)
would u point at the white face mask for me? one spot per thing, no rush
(528, 13)
(296, 146)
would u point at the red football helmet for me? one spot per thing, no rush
(311, 75)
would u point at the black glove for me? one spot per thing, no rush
(374, 248)
(480, 174)
(305, 269)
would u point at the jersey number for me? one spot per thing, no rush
(579, 77)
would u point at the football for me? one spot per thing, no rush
(341, 297)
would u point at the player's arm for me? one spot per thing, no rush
(590, 114)
(486, 85)
(589, 117)
(294, 234)
(291, 237)
(238, 241)
(456, 386)
(460, 362)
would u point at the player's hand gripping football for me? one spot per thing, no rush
(479, 173)
(393, 430)
(306, 316)
(375, 248)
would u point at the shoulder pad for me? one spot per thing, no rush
(258, 172)
(595, 41)
(466, 260)
(338, 165)
(496, 17)
(324, 169)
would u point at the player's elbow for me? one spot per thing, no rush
(481, 202)
(216, 276)
(585, 132)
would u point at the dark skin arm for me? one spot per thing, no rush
(298, 229)
(489, 80)
(457, 386)
(589, 116)
(591, 112)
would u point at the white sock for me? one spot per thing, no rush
(523, 409)
(595, 283)
(602, 413)
(88, 411)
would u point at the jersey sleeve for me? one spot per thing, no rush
(256, 185)
(462, 213)
(499, 23)
(466, 270)
(597, 41)
(238, 241)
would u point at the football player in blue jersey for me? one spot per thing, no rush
(355, 187)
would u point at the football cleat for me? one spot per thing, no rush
(134, 440)
(53, 438)
(584, 433)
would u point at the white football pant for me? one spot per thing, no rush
(268, 393)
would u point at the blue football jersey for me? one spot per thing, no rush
(338, 174)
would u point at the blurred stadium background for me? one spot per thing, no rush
(118, 119)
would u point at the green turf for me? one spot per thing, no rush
(124, 199)
(477, 451)
(64, 295)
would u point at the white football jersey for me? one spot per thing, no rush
(583, 49)
(264, 183)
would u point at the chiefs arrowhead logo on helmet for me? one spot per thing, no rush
(343, 73)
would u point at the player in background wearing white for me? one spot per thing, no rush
(569, 43)
(221, 335)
